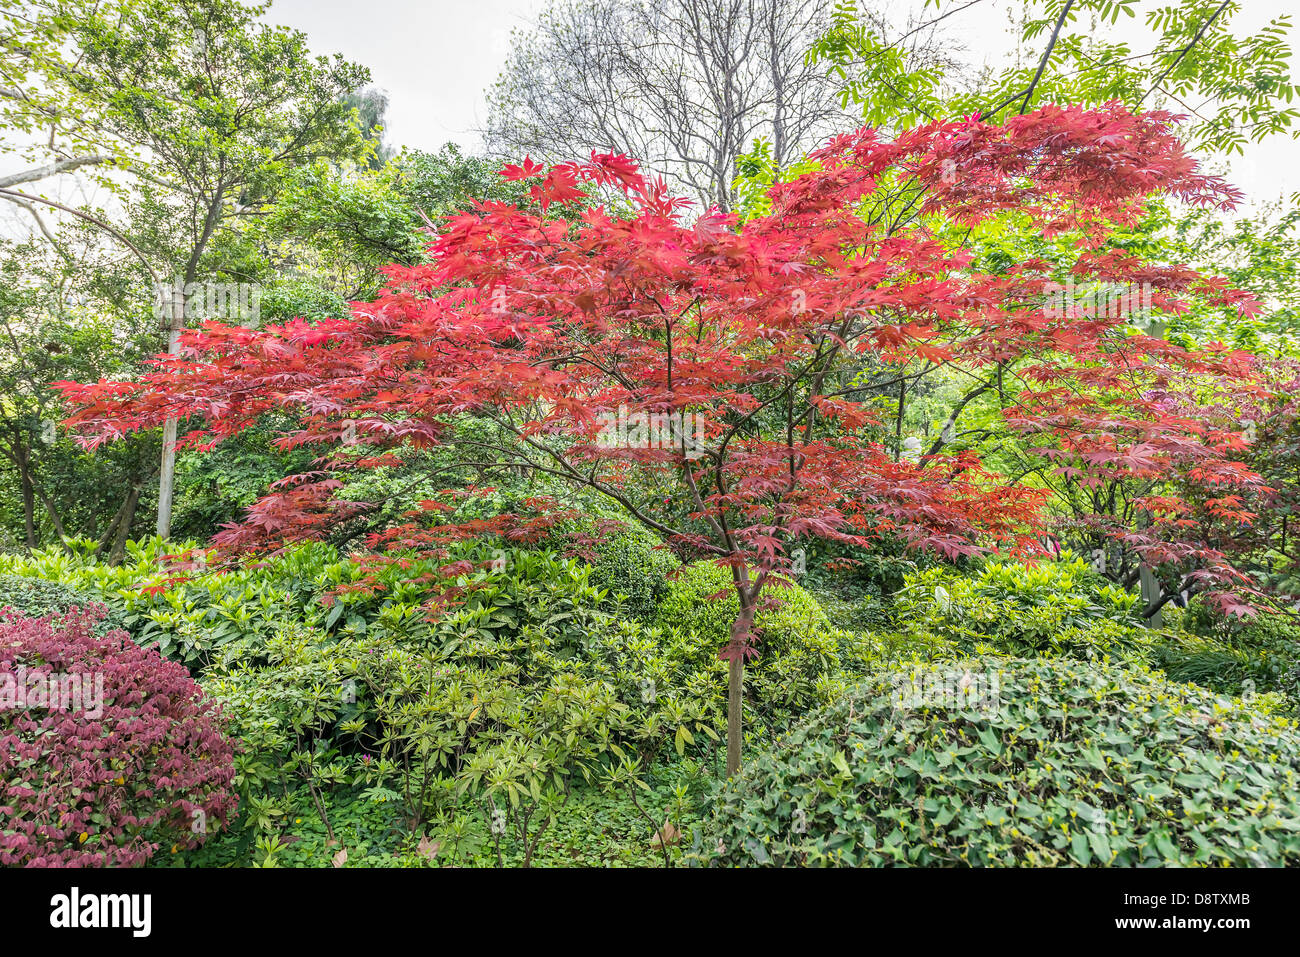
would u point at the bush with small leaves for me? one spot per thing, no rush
(1052, 763)
(38, 598)
(1059, 608)
(632, 567)
(107, 750)
(798, 651)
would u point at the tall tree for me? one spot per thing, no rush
(687, 85)
(205, 106)
(1235, 86)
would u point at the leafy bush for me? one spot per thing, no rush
(178, 606)
(506, 701)
(1057, 608)
(798, 650)
(1055, 763)
(165, 596)
(38, 598)
(128, 757)
(1258, 655)
(863, 577)
(631, 566)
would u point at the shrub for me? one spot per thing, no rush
(38, 598)
(527, 683)
(700, 600)
(1075, 765)
(1235, 656)
(798, 651)
(164, 597)
(632, 567)
(101, 780)
(1059, 608)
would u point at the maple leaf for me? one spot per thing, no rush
(527, 170)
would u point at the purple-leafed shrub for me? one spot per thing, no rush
(107, 750)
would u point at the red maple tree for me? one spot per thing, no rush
(752, 359)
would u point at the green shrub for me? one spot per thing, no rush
(164, 597)
(1259, 655)
(631, 566)
(528, 689)
(38, 598)
(798, 662)
(191, 612)
(1059, 608)
(701, 600)
(1060, 763)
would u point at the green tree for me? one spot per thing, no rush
(207, 108)
(1236, 86)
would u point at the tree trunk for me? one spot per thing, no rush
(740, 630)
(23, 461)
(167, 473)
(51, 511)
(1150, 595)
(735, 687)
(124, 529)
(29, 512)
(112, 525)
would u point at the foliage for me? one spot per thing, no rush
(1261, 253)
(1067, 51)
(193, 115)
(39, 598)
(1072, 765)
(348, 224)
(524, 690)
(440, 185)
(796, 654)
(630, 564)
(1053, 608)
(104, 779)
(861, 262)
(1258, 656)
(50, 329)
(167, 599)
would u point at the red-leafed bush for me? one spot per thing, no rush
(107, 749)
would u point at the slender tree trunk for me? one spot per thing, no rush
(23, 461)
(55, 519)
(740, 630)
(167, 474)
(112, 525)
(124, 529)
(735, 689)
(29, 511)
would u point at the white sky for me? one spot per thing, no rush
(436, 59)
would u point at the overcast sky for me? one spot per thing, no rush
(436, 59)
